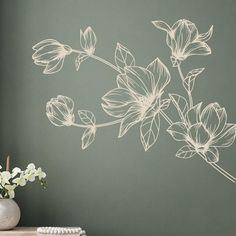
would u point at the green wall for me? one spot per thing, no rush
(114, 188)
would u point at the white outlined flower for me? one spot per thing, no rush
(50, 54)
(205, 132)
(137, 95)
(60, 110)
(184, 40)
(88, 40)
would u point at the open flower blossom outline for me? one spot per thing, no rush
(60, 111)
(204, 131)
(51, 54)
(138, 94)
(184, 40)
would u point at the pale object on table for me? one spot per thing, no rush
(61, 230)
(9, 214)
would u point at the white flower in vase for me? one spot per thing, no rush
(17, 177)
(20, 181)
(9, 181)
(10, 190)
(40, 173)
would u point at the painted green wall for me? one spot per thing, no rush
(114, 188)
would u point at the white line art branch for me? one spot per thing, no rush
(138, 98)
(188, 91)
(106, 124)
(98, 59)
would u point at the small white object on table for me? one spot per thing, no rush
(29, 231)
(61, 231)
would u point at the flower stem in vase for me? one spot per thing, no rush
(8, 163)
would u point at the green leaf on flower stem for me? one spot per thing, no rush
(181, 105)
(164, 104)
(123, 57)
(185, 152)
(189, 80)
(149, 131)
(79, 59)
(88, 136)
(87, 117)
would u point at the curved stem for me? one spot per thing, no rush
(78, 51)
(214, 165)
(99, 59)
(180, 72)
(224, 171)
(108, 123)
(221, 170)
(79, 125)
(168, 120)
(99, 125)
(189, 92)
(190, 99)
(114, 68)
(105, 62)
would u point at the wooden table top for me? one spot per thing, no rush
(28, 231)
(20, 231)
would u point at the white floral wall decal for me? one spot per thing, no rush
(184, 40)
(138, 98)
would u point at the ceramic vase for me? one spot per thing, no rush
(9, 214)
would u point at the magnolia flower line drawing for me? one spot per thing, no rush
(139, 99)
(184, 40)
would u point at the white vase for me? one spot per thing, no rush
(9, 214)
